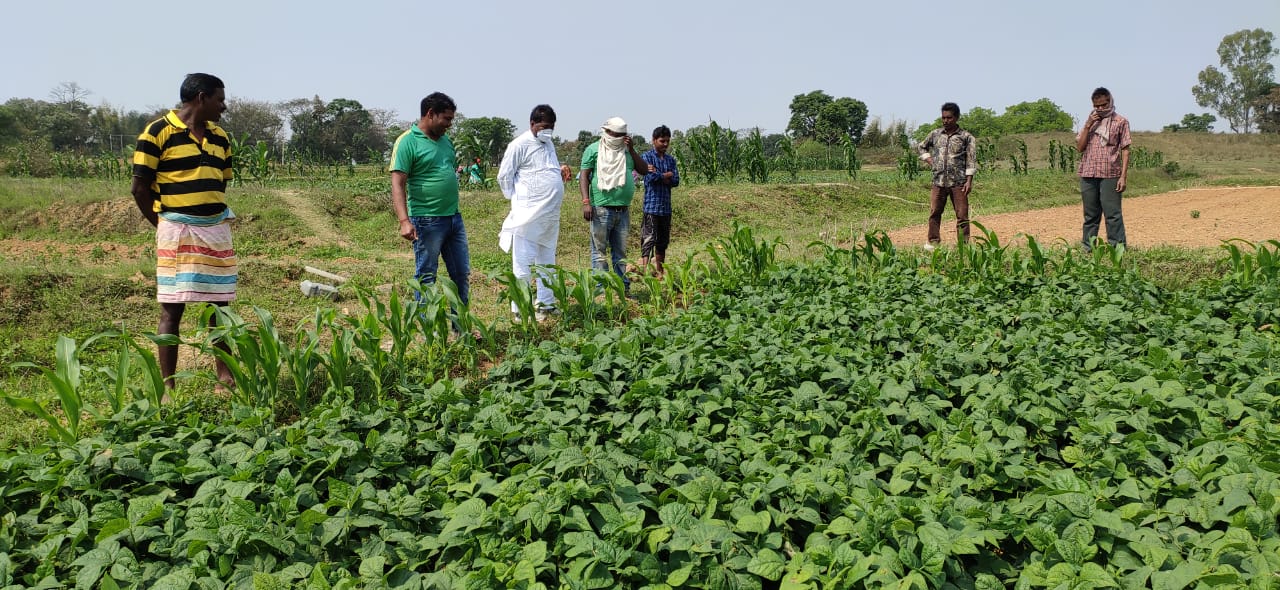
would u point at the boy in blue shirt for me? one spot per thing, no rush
(655, 231)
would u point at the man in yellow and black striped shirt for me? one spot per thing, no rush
(180, 171)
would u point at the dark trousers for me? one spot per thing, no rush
(1101, 201)
(655, 235)
(938, 202)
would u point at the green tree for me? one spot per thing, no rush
(1246, 75)
(482, 137)
(980, 121)
(839, 119)
(8, 126)
(817, 115)
(259, 120)
(1193, 123)
(805, 111)
(1269, 110)
(1034, 117)
(337, 131)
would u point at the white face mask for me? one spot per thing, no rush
(545, 135)
(615, 143)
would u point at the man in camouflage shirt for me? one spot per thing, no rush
(951, 152)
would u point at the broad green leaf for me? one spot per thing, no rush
(767, 564)
(1182, 576)
(678, 577)
(757, 523)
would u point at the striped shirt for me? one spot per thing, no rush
(657, 193)
(190, 177)
(1103, 158)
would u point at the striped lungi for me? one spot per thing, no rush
(194, 262)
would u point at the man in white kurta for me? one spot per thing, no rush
(530, 178)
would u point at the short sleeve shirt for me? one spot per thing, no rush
(430, 164)
(1102, 157)
(615, 197)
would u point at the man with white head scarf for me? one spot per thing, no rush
(530, 178)
(607, 188)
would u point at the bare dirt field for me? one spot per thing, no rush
(1197, 217)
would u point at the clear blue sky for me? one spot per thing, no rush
(674, 63)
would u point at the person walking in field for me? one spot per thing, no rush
(607, 189)
(1103, 143)
(951, 152)
(424, 195)
(531, 177)
(181, 166)
(475, 173)
(655, 228)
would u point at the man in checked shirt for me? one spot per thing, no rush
(1103, 143)
(655, 233)
(951, 152)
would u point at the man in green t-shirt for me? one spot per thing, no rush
(424, 193)
(607, 186)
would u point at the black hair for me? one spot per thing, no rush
(661, 131)
(194, 84)
(1100, 91)
(437, 102)
(543, 113)
(951, 107)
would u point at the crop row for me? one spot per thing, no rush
(980, 418)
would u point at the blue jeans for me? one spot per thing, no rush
(609, 228)
(442, 236)
(1101, 202)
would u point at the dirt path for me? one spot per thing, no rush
(1197, 217)
(317, 221)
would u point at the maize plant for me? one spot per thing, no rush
(909, 164)
(1145, 158)
(787, 159)
(753, 156)
(1019, 160)
(988, 155)
(704, 145)
(733, 156)
(1062, 156)
(851, 162)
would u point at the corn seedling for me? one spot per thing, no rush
(520, 293)
(66, 380)
(252, 354)
(743, 257)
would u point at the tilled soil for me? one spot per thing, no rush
(1198, 217)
